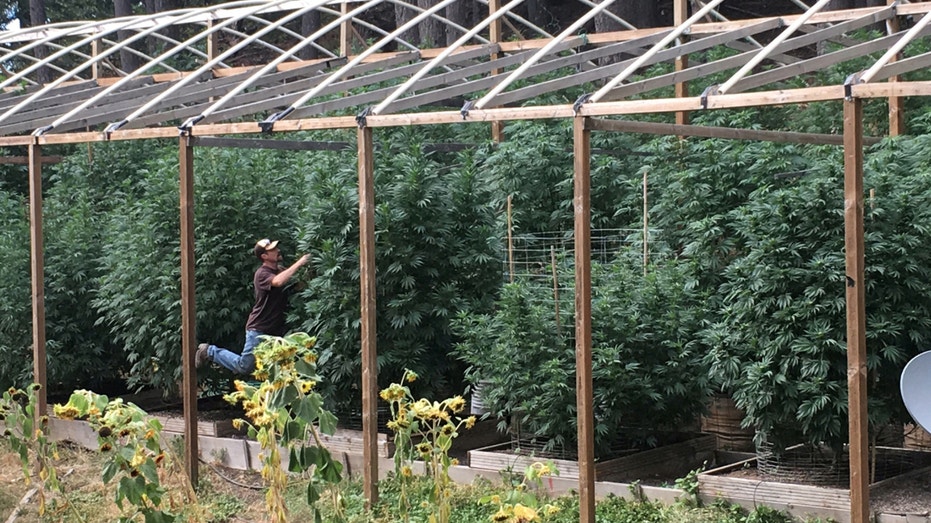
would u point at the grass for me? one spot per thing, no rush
(222, 501)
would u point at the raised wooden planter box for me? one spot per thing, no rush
(798, 499)
(669, 461)
(212, 428)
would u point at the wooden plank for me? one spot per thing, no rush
(615, 68)
(458, 86)
(188, 309)
(367, 304)
(630, 126)
(896, 103)
(37, 267)
(817, 63)
(856, 312)
(24, 160)
(583, 323)
(666, 105)
(724, 64)
(283, 145)
(680, 13)
(902, 66)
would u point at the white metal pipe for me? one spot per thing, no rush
(442, 56)
(722, 18)
(516, 74)
(438, 17)
(83, 27)
(229, 52)
(178, 48)
(896, 49)
(274, 64)
(676, 33)
(215, 12)
(759, 57)
(362, 56)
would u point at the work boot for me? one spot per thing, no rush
(201, 357)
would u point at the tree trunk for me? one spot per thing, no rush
(37, 17)
(310, 22)
(639, 13)
(457, 12)
(432, 31)
(401, 16)
(128, 61)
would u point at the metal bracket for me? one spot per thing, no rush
(711, 90)
(848, 85)
(191, 122)
(268, 124)
(362, 117)
(466, 107)
(115, 126)
(577, 106)
(42, 130)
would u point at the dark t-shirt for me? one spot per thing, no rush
(271, 303)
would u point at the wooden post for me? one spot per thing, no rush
(856, 311)
(95, 67)
(345, 32)
(555, 289)
(646, 225)
(510, 243)
(212, 42)
(188, 310)
(494, 36)
(896, 103)
(367, 282)
(37, 255)
(583, 318)
(680, 15)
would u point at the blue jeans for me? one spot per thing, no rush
(240, 363)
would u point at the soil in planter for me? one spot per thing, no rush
(629, 442)
(808, 465)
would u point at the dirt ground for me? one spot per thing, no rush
(225, 495)
(228, 495)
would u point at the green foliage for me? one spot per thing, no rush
(436, 254)
(647, 372)
(16, 305)
(28, 437)
(131, 442)
(424, 430)
(240, 197)
(526, 500)
(285, 410)
(780, 343)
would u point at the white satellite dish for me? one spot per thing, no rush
(916, 389)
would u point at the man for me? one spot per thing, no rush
(268, 313)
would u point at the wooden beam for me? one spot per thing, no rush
(282, 145)
(24, 160)
(368, 339)
(583, 319)
(37, 266)
(345, 32)
(188, 309)
(727, 133)
(896, 103)
(723, 64)
(665, 105)
(856, 312)
(494, 35)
